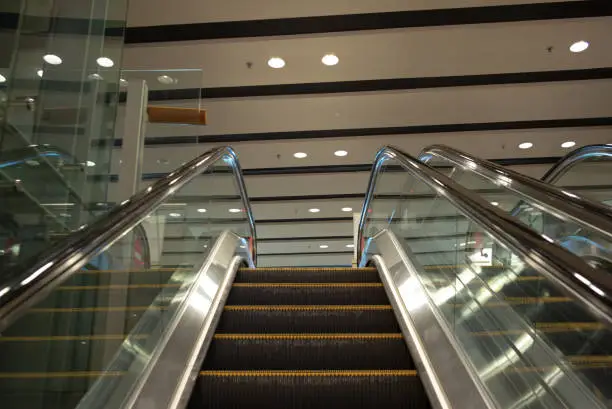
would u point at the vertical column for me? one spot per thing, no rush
(130, 172)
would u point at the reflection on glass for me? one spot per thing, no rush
(526, 340)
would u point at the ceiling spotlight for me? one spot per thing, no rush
(95, 76)
(40, 73)
(2, 78)
(347, 209)
(330, 59)
(525, 145)
(314, 210)
(579, 46)
(495, 203)
(323, 246)
(276, 62)
(174, 214)
(105, 62)
(300, 155)
(568, 144)
(123, 82)
(201, 210)
(234, 210)
(341, 153)
(90, 164)
(167, 80)
(350, 246)
(52, 59)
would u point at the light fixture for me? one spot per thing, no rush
(323, 246)
(2, 78)
(350, 246)
(525, 145)
(123, 82)
(167, 80)
(341, 153)
(163, 161)
(579, 46)
(95, 76)
(568, 144)
(174, 214)
(52, 59)
(314, 210)
(105, 62)
(234, 210)
(30, 100)
(300, 155)
(276, 62)
(40, 73)
(64, 215)
(347, 209)
(495, 203)
(330, 59)
(90, 164)
(201, 210)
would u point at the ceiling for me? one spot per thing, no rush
(481, 76)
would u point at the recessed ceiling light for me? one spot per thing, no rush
(201, 210)
(40, 73)
(276, 62)
(105, 62)
(90, 164)
(2, 78)
(525, 145)
(579, 46)
(347, 209)
(323, 246)
(52, 59)
(350, 246)
(495, 203)
(123, 82)
(330, 59)
(64, 215)
(234, 210)
(314, 210)
(300, 155)
(95, 76)
(167, 80)
(30, 100)
(174, 214)
(568, 144)
(341, 153)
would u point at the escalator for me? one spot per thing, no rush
(492, 315)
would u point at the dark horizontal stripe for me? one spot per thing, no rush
(266, 240)
(318, 253)
(390, 84)
(61, 25)
(368, 21)
(357, 132)
(308, 220)
(301, 170)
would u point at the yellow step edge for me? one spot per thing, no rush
(306, 336)
(116, 287)
(308, 285)
(300, 373)
(307, 307)
(547, 327)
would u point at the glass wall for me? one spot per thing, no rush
(59, 62)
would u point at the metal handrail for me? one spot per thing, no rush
(62, 260)
(555, 200)
(591, 287)
(574, 157)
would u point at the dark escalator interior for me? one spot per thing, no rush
(305, 338)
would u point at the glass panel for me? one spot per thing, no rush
(590, 178)
(529, 344)
(92, 328)
(581, 240)
(53, 104)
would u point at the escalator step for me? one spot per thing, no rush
(307, 352)
(307, 293)
(307, 275)
(308, 319)
(398, 389)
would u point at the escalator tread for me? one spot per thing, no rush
(308, 338)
